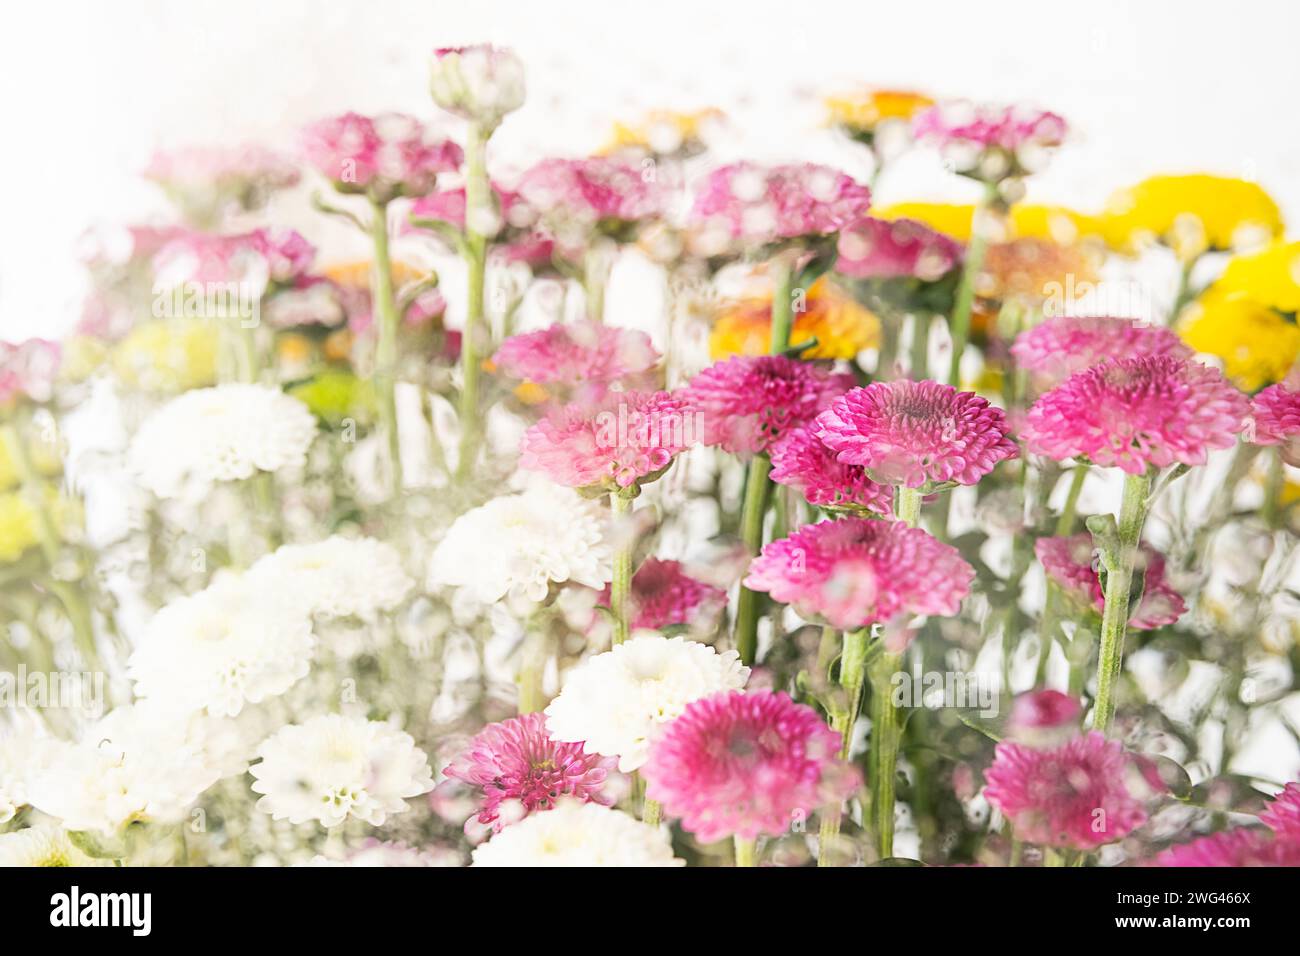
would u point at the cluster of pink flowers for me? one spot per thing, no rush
(1010, 128)
(756, 205)
(263, 256)
(1133, 413)
(28, 369)
(802, 460)
(916, 433)
(384, 156)
(581, 356)
(517, 237)
(1069, 562)
(895, 249)
(854, 572)
(1276, 414)
(519, 769)
(664, 595)
(1061, 346)
(1279, 845)
(204, 179)
(620, 442)
(575, 196)
(748, 402)
(745, 764)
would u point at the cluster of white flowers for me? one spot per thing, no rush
(337, 577)
(578, 834)
(616, 701)
(43, 845)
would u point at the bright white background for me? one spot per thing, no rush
(90, 88)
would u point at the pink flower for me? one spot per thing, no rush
(1061, 346)
(737, 764)
(516, 234)
(257, 258)
(1069, 562)
(576, 197)
(752, 205)
(801, 460)
(976, 135)
(1133, 413)
(516, 760)
(1248, 846)
(1044, 718)
(1276, 413)
(207, 181)
(481, 83)
(914, 433)
(892, 249)
(663, 595)
(855, 572)
(582, 356)
(1083, 794)
(750, 401)
(1283, 813)
(384, 156)
(28, 369)
(626, 439)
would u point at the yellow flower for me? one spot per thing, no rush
(1258, 346)
(664, 132)
(19, 528)
(842, 327)
(948, 218)
(1029, 221)
(1191, 214)
(168, 355)
(82, 357)
(861, 111)
(1270, 277)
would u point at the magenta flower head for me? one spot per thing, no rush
(1248, 846)
(1135, 413)
(895, 249)
(748, 402)
(1069, 561)
(384, 157)
(615, 445)
(737, 764)
(581, 357)
(480, 83)
(1276, 417)
(28, 370)
(1061, 346)
(1283, 814)
(917, 434)
(519, 769)
(990, 143)
(746, 205)
(855, 572)
(1044, 718)
(579, 198)
(511, 222)
(802, 460)
(1081, 795)
(664, 595)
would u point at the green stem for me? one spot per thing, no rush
(1119, 557)
(746, 852)
(886, 731)
(532, 667)
(1274, 484)
(965, 301)
(843, 715)
(595, 276)
(621, 585)
(477, 198)
(782, 305)
(754, 509)
(385, 308)
(920, 346)
(651, 812)
(1065, 523)
(907, 505)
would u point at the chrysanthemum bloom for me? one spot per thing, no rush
(895, 249)
(1035, 273)
(749, 205)
(1257, 345)
(1088, 792)
(43, 845)
(577, 198)
(990, 142)
(577, 357)
(738, 764)
(1069, 562)
(618, 701)
(254, 259)
(861, 112)
(337, 577)
(1191, 214)
(1044, 717)
(515, 761)
(578, 834)
(665, 133)
(623, 441)
(1056, 349)
(512, 223)
(916, 434)
(385, 156)
(1134, 413)
(1276, 414)
(480, 83)
(334, 767)
(749, 402)
(1248, 846)
(1270, 276)
(664, 595)
(206, 182)
(802, 460)
(226, 433)
(841, 326)
(28, 370)
(518, 546)
(855, 572)
(1282, 815)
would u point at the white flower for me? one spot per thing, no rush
(333, 767)
(43, 845)
(389, 854)
(24, 752)
(226, 433)
(515, 546)
(578, 834)
(615, 702)
(481, 83)
(337, 577)
(232, 643)
(138, 762)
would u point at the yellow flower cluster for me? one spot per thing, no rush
(663, 131)
(1025, 221)
(842, 327)
(19, 525)
(1257, 345)
(1191, 214)
(1270, 276)
(168, 355)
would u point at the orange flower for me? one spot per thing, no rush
(842, 327)
(355, 273)
(861, 111)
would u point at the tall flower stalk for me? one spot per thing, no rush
(385, 306)
(965, 300)
(621, 582)
(478, 200)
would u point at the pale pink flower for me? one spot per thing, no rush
(895, 249)
(737, 764)
(576, 198)
(1276, 414)
(914, 433)
(802, 460)
(1070, 563)
(581, 356)
(990, 142)
(206, 181)
(1056, 349)
(384, 156)
(750, 401)
(258, 258)
(1134, 413)
(1044, 717)
(516, 761)
(855, 572)
(481, 83)
(513, 223)
(28, 369)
